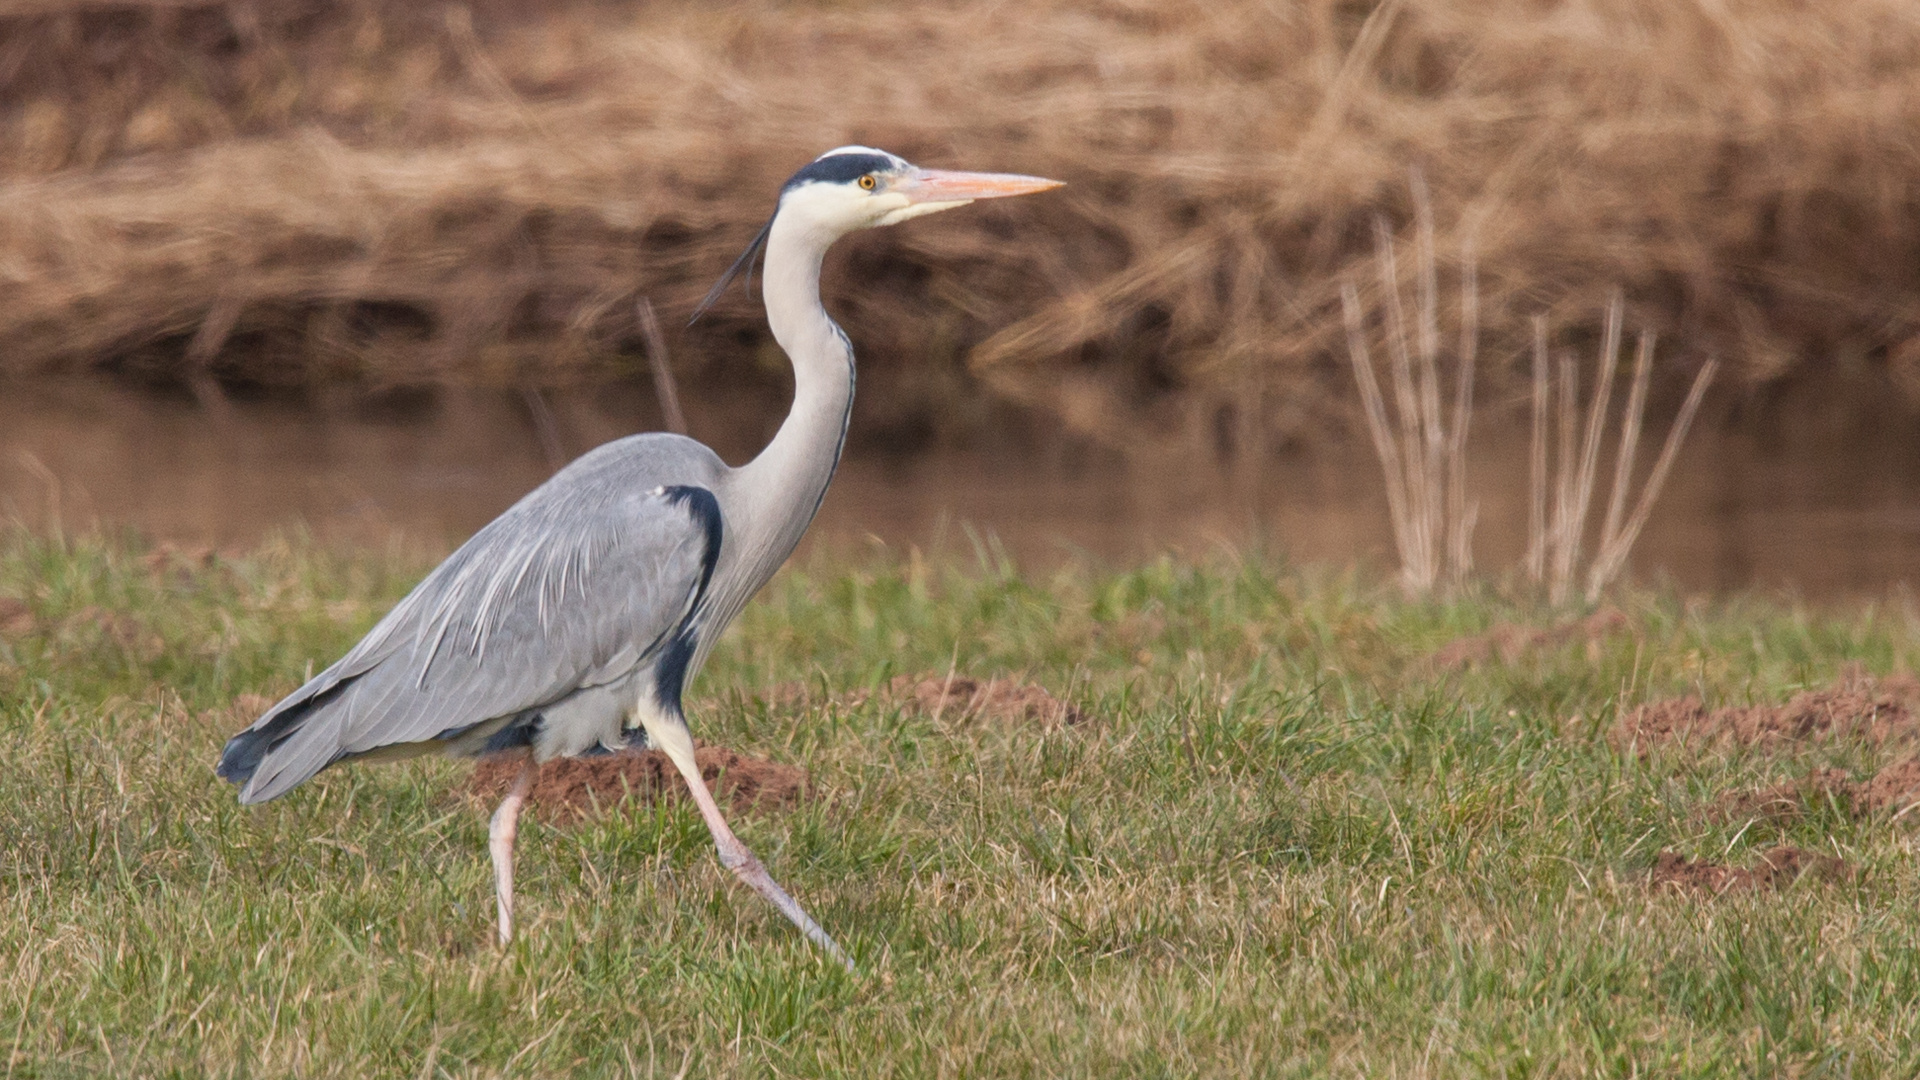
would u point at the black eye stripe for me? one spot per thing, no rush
(838, 169)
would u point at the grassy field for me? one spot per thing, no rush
(1286, 842)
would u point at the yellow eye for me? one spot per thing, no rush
(867, 182)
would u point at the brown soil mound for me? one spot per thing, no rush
(568, 789)
(1511, 642)
(1863, 709)
(959, 699)
(1894, 790)
(16, 618)
(1779, 867)
(1783, 802)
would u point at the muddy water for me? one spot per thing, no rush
(1810, 506)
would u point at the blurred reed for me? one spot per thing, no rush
(382, 193)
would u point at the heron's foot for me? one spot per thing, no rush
(669, 733)
(735, 857)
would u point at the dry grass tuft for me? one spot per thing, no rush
(407, 194)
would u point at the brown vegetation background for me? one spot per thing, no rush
(316, 197)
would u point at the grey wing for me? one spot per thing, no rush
(559, 593)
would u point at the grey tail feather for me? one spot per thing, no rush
(245, 751)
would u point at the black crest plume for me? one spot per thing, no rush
(742, 264)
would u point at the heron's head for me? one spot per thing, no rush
(858, 187)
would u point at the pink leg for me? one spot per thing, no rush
(672, 736)
(500, 836)
(735, 857)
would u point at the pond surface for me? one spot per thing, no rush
(1825, 504)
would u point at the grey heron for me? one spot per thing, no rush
(570, 624)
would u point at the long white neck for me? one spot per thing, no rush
(784, 485)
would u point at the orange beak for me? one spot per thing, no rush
(944, 186)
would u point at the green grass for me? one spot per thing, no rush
(1285, 846)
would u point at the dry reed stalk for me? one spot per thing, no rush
(1428, 328)
(1461, 513)
(1422, 460)
(1373, 407)
(1536, 558)
(1629, 441)
(1565, 411)
(1613, 557)
(54, 523)
(1580, 494)
(1409, 402)
(1605, 366)
(1425, 460)
(1553, 550)
(664, 387)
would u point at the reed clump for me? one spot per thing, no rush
(391, 193)
(1423, 448)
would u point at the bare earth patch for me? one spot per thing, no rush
(1856, 707)
(1511, 642)
(1893, 790)
(958, 699)
(1878, 711)
(1784, 802)
(570, 789)
(1778, 868)
(16, 618)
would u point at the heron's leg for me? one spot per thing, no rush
(670, 735)
(500, 836)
